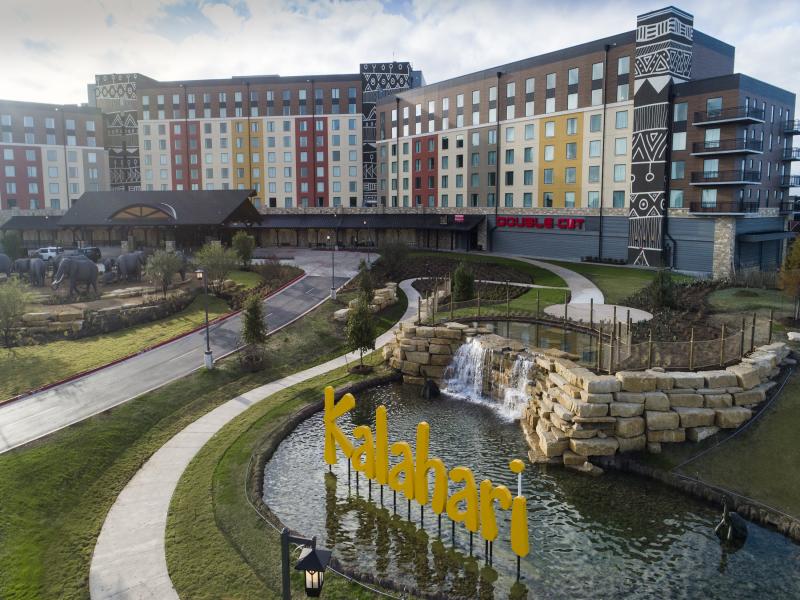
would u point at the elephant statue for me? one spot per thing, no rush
(110, 275)
(129, 266)
(36, 271)
(21, 266)
(61, 257)
(184, 264)
(78, 271)
(5, 264)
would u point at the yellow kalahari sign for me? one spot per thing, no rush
(410, 475)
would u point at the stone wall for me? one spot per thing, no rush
(382, 298)
(421, 352)
(724, 242)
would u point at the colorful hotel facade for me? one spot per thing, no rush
(645, 147)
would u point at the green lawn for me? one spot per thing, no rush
(248, 279)
(55, 493)
(750, 300)
(526, 303)
(217, 545)
(29, 367)
(616, 283)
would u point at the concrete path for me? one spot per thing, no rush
(581, 289)
(40, 414)
(585, 312)
(129, 559)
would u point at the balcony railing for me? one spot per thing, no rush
(731, 146)
(724, 177)
(790, 181)
(792, 127)
(789, 206)
(728, 207)
(791, 154)
(734, 113)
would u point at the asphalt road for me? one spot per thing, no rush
(40, 414)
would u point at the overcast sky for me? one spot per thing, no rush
(52, 48)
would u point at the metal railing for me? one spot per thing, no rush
(790, 154)
(732, 206)
(734, 113)
(792, 126)
(731, 145)
(790, 181)
(732, 176)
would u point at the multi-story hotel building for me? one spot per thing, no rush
(644, 147)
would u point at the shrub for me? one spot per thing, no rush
(254, 326)
(790, 276)
(161, 267)
(11, 245)
(393, 257)
(13, 297)
(366, 284)
(661, 291)
(361, 329)
(463, 283)
(244, 244)
(218, 262)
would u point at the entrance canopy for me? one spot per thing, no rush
(372, 221)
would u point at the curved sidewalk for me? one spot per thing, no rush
(129, 559)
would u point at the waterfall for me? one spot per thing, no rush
(468, 376)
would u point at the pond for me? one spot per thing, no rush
(613, 536)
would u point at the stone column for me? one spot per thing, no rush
(724, 243)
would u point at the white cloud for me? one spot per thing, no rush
(443, 38)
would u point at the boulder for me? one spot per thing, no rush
(664, 380)
(572, 459)
(549, 444)
(667, 436)
(635, 397)
(753, 396)
(656, 401)
(341, 315)
(747, 375)
(409, 368)
(452, 325)
(698, 434)
(719, 379)
(628, 427)
(696, 417)
(439, 349)
(68, 316)
(686, 400)
(412, 380)
(440, 360)
(36, 318)
(585, 409)
(596, 398)
(653, 447)
(447, 333)
(718, 401)
(687, 379)
(562, 413)
(422, 358)
(431, 371)
(423, 331)
(632, 444)
(601, 384)
(657, 420)
(731, 418)
(636, 381)
(586, 468)
(594, 446)
(625, 409)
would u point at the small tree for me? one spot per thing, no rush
(790, 276)
(393, 258)
(13, 297)
(161, 267)
(218, 262)
(243, 245)
(254, 326)
(361, 329)
(366, 285)
(661, 290)
(11, 245)
(463, 283)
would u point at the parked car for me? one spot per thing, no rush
(49, 253)
(91, 252)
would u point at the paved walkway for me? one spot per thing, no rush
(129, 559)
(40, 414)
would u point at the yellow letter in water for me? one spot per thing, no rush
(489, 494)
(362, 432)
(469, 516)
(405, 467)
(425, 464)
(333, 434)
(519, 526)
(381, 446)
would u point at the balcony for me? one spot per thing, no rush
(790, 154)
(735, 114)
(734, 207)
(733, 146)
(790, 181)
(792, 127)
(790, 206)
(736, 177)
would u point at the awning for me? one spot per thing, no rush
(767, 236)
(449, 222)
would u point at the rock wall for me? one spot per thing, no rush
(383, 298)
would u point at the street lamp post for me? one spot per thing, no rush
(333, 270)
(312, 560)
(368, 241)
(208, 356)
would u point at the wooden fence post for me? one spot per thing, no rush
(650, 350)
(611, 354)
(753, 333)
(419, 310)
(591, 313)
(479, 301)
(771, 318)
(537, 303)
(741, 349)
(508, 300)
(691, 350)
(450, 286)
(600, 346)
(722, 347)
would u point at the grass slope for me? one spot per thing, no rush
(55, 493)
(540, 276)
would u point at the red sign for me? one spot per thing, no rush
(459, 218)
(541, 222)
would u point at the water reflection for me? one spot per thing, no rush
(615, 536)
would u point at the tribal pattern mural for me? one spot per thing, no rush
(115, 94)
(376, 79)
(663, 57)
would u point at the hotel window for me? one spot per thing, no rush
(527, 200)
(32, 172)
(459, 181)
(28, 122)
(624, 65)
(10, 171)
(572, 101)
(572, 76)
(547, 199)
(30, 155)
(52, 171)
(549, 129)
(680, 112)
(445, 200)
(549, 152)
(528, 154)
(676, 198)
(570, 174)
(529, 132)
(445, 180)
(509, 177)
(622, 92)
(593, 200)
(491, 157)
(678, 169)
(459, 161)
(510, 157)
(548, 176)
(530, 85)
(597, 97)
(476, 138)
(572, 151)
(618, 199)
(572, 126)
(460, 101)
(569, 199)
(621, 119)
(475, 159)
(509, 134)
(594, 174)
(597, 71)
(709, 198)
(595, 123)
(679, 140)
(551, 81)
(491, 137)
(620, 146)
(527, 177)
(474, 180)
(714, 109)
(619, 173)
(445, 162)
(459, 200)
(508, 200)
(549, 105)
